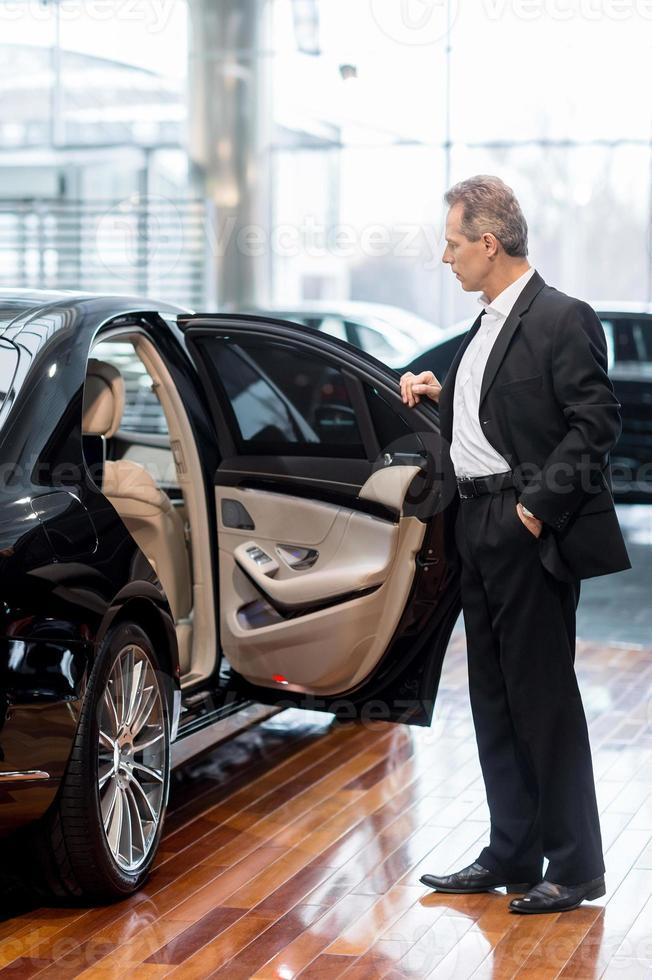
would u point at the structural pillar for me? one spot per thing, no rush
(229, 82)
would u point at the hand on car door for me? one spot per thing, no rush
(415, 385)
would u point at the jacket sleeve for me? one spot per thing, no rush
(586, 396)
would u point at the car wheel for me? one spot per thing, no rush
(100, 837)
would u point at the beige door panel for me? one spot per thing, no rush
(327, 651)
(278, 517)
(332, 649)
(362, 558)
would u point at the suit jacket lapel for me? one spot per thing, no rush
(498, 351)
(507, 331)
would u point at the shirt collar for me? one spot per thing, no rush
(503, 304)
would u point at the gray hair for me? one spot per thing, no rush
(490, 206)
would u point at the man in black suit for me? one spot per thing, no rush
(528, 417)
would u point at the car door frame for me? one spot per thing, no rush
(403, 685)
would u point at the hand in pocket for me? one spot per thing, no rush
(533, 524)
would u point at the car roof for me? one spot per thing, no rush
(16, 303)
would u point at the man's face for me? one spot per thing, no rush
(468, 260)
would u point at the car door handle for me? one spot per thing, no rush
(404, 459)
(297, 557)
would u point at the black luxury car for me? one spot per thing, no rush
(628, 332)
(276, 542)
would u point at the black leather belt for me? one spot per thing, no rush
(473, 486)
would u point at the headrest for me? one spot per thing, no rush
(104, 399)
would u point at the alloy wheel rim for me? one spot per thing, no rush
(132, 758)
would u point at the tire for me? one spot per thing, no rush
(99, 839)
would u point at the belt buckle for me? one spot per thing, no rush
(463, 494)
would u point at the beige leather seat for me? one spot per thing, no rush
(145, 509)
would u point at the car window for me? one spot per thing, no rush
(333, 326)
(143, 412)
(298, 318)
(631, 340)
(373, 342)
(393, 432)
(624, 348)
(609, 337)
(283, 400)
(642, 335)
(438, 359)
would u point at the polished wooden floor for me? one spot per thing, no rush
(295, 851)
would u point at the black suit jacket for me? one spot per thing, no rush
(548, 407)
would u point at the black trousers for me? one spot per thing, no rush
(527, 709)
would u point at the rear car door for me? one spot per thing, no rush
(334, 591)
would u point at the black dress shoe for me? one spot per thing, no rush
(475, 878)
(549, 897)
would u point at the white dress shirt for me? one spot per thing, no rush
(471, 453)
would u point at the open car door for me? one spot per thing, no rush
(334, 590)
